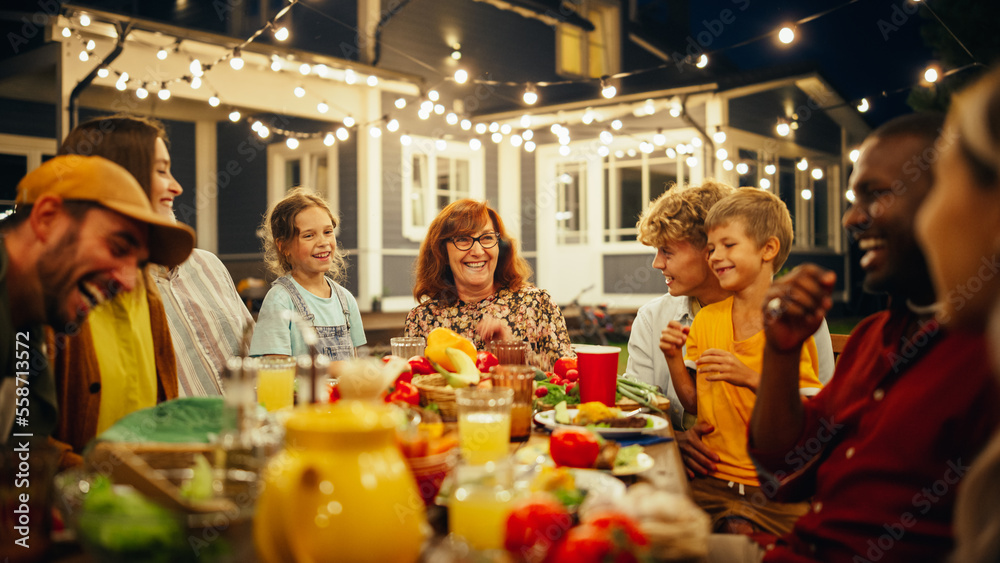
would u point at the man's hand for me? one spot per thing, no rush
(720, 365)
(796, 304)
(699, 460)
(672, 339)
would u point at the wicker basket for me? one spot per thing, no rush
(435, 389)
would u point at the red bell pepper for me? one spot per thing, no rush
(404, 392)
(420, 365)
(485, 360)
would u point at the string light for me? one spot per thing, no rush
(141, 92)
(465, 125)
(692, 161)
(722, 154)
(719, 137)
(456, 54)
(214, 101)
(616, 124)
(480, 128)
(281, 34)
(530, 146)
(603, 151)
(475, 144)
(606, 137)
(400, 103)
(565, 150)
(329, 139)
(770, 169)
(234, 116)
(863, 106)
(496, 137)
(932, 74)
(275, 64)
(452, 118)
(342, 134)
(516, 140)
(439, 109)
(528, 134)
(66, 32)
(196, 68)
(392, 125)
(506, 129)
(588, 116)
(372, 81)
(433, 95)
(786, 34)
(195, 82)
(702, 61)
(375, 131)
(670, 152)
(441, 144)
(461, 76)
(727, 165)
(237, 61)
(854, 155)
(608, 90)
(305, 69)
(322, 107)
(299, 92)
(817, 173)
(348, 122)
(164, 93)
(84, 20)
(84, 56)
(350, 77)
(807, 194)
(783, 128)
(742, 168)
(803, 165)
(765, 184)
(405, 140)
(103, 72)
(530, 96)
(659, 139)
(91, 45)
(850, 196)
(292, 143)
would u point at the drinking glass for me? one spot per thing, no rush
(514, 352)
(598, 367)
(407, 346)
(275, 382)
(484, 423)
(479, 505)
(521, 379)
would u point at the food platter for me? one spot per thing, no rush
(548, 420)
(539, 453)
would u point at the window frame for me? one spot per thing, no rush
(453, 151)
(606, 37)
(34, 149)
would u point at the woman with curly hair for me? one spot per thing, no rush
(301, 248)
(470, 278)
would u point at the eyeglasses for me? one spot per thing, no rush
(486, 240)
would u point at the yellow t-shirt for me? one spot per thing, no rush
(728, 407)
(123, 342)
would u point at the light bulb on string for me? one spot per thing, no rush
(528, 134)
(461, 76)
(863, 105)
(691, 161)
(350, 77)
(84, 20)
(84, 56)
(932, 74)
(400, 103)
(702, 61)
(305, 69)
(275, 63)
(631, 153)
(608, 90)
(433, 95)
(329, 139)
(770, 169)
(481, 128)
(719, 136)
(292, 143)
(529, 146)
(849, 195)
(392, 126)
(103, 72)
(722, 154)
(256, 125)
(646, 147)
(742, 168)
(475, 144)
(427, 106)
(588, 116)
(439, 109)
(441, 144)
(670, 152)
(516, 140)
(525, 121)
(372, 80)
(603, 151)
(606, 137)
(659, 139)
(854, 155)
(494, 127)
(565, 150)
(91, 45)
(466, 124)
(530, 96)
(195, 82)
(66, 32)
(803, 165)
(375, 131)
(696, 142)
(496, 137)
(456, 55)
(299, 91)
(349, 121)
(214, 101)
(727, 165)
(263, 131)
(164, 93)
(451, 118)
(616, 124)
(342, 133)
(425, 115)
(765, 184)
(237, 60)
(196, 68)
(817, 173)
(807, 194)
(322, 107)
(506, 128)
(234, 116)
(281, 34)
(141, 92)
(786, 34)
(783, 128)
(675, 110)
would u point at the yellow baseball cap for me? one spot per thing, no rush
(97, 179)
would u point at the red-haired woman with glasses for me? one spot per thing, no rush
(471, 279)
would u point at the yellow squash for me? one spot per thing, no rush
(438, 342)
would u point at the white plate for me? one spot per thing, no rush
(539, 453)
(548, 420)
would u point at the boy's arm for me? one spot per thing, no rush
(672, 341)
(794, 308)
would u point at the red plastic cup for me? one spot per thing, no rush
(598, 367)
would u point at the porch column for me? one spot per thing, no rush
(369, 190)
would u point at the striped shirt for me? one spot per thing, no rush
(206, 317)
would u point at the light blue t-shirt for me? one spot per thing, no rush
(273, 335)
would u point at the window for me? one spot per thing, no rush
(630, 184)
(312, 165)
(436, 173)
(592, 54)
(18, 156)
(571, 201)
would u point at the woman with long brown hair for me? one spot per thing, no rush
(470, 278)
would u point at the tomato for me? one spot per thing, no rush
(606, 537)
(541, 391)
(420, 366)
(563, 364)
(535, 524)
(572, 374)
(573, 447)
(485, 360)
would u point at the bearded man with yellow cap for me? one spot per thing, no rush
(81, 229)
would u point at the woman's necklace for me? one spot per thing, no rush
(923, 310)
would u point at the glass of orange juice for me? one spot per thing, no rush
(480, 503)
(275, 381)
(521, 379)
(484, 423)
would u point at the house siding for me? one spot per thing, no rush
(347, 171)
(242, 187)
(631, 273)
(398, 275)
(528, 220)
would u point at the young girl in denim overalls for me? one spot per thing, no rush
(300, 246)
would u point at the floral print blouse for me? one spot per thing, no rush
(529, 312)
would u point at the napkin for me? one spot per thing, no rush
(645, 440)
